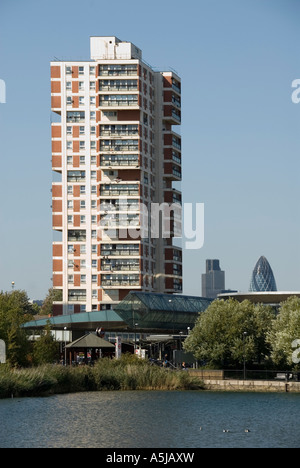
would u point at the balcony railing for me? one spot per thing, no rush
(118, 70)
(120, 205)
(118, 266)
(119, 130)
(119, 145)
(120, 280)
(76, 176)
(119, 190)
(119, 100)
(121, 250)
(118, 85)
(112, 161)
(75, 116)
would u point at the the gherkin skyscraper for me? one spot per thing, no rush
(262, 277)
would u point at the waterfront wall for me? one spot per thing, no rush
(251, 386)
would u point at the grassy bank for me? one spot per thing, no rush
(128, 373)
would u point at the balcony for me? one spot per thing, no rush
(119, 100)
(119, 145)
(76, 176)
(75, 117)
(119, 130)
(117, 281)
(120, 161)
(77, 295)
(118, 70)
(118, 85)
(120, 250)
(120, 265)
(76, 235)
(119, 190)
(119, 221)
(107, 206)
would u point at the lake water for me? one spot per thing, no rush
(151, 420)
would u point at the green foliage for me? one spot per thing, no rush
(128, 373)
(15, 310)
(46, 349)
(47, 307)
(285, 329)
(218, 337)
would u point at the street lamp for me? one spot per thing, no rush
(65, 336)
(244, 350)
(12, 285)
(135, 325)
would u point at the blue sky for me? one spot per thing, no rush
(237, 60)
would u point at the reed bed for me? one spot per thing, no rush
(128, 373)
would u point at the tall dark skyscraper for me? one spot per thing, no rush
(262, 277)
(213, 281)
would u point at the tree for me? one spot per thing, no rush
(285, 330)
(46, 349)
(218, 337)
(15, 310)
(53, 295)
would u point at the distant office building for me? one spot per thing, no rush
(213, 281)
(262, 277)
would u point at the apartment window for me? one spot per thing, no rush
(81, 70)
(82, 219)
(70, 219)
(92, 115)
(94, 204)
(94, 293)
(82, 204)
(94, 219)
(82, 189)
(70, 248)
(68, 70)
(70, 264)
(81, 130)
(69, 130)
(82, 145)
(69, 100)
(94, 189)
(93, 145)
(70, 190)
(70, 160)
(68, 85)
(92, 100)
(94, 279)
(94, 234)
(83, 249)
(82, 263)
(81, 85)
(93, 159)
(93, 175)
(82, 279)
(69, 145)
(92, 85)
(70, 309)
(83, 308)
(92, 70)
(94, 263)
(70, 279)
(93, 130)
(70, 204)
(94, 249)
(81, 100)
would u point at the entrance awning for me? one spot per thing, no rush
(91, 341)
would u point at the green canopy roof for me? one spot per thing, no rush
(161, 311)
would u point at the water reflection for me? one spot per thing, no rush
(151, 420)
